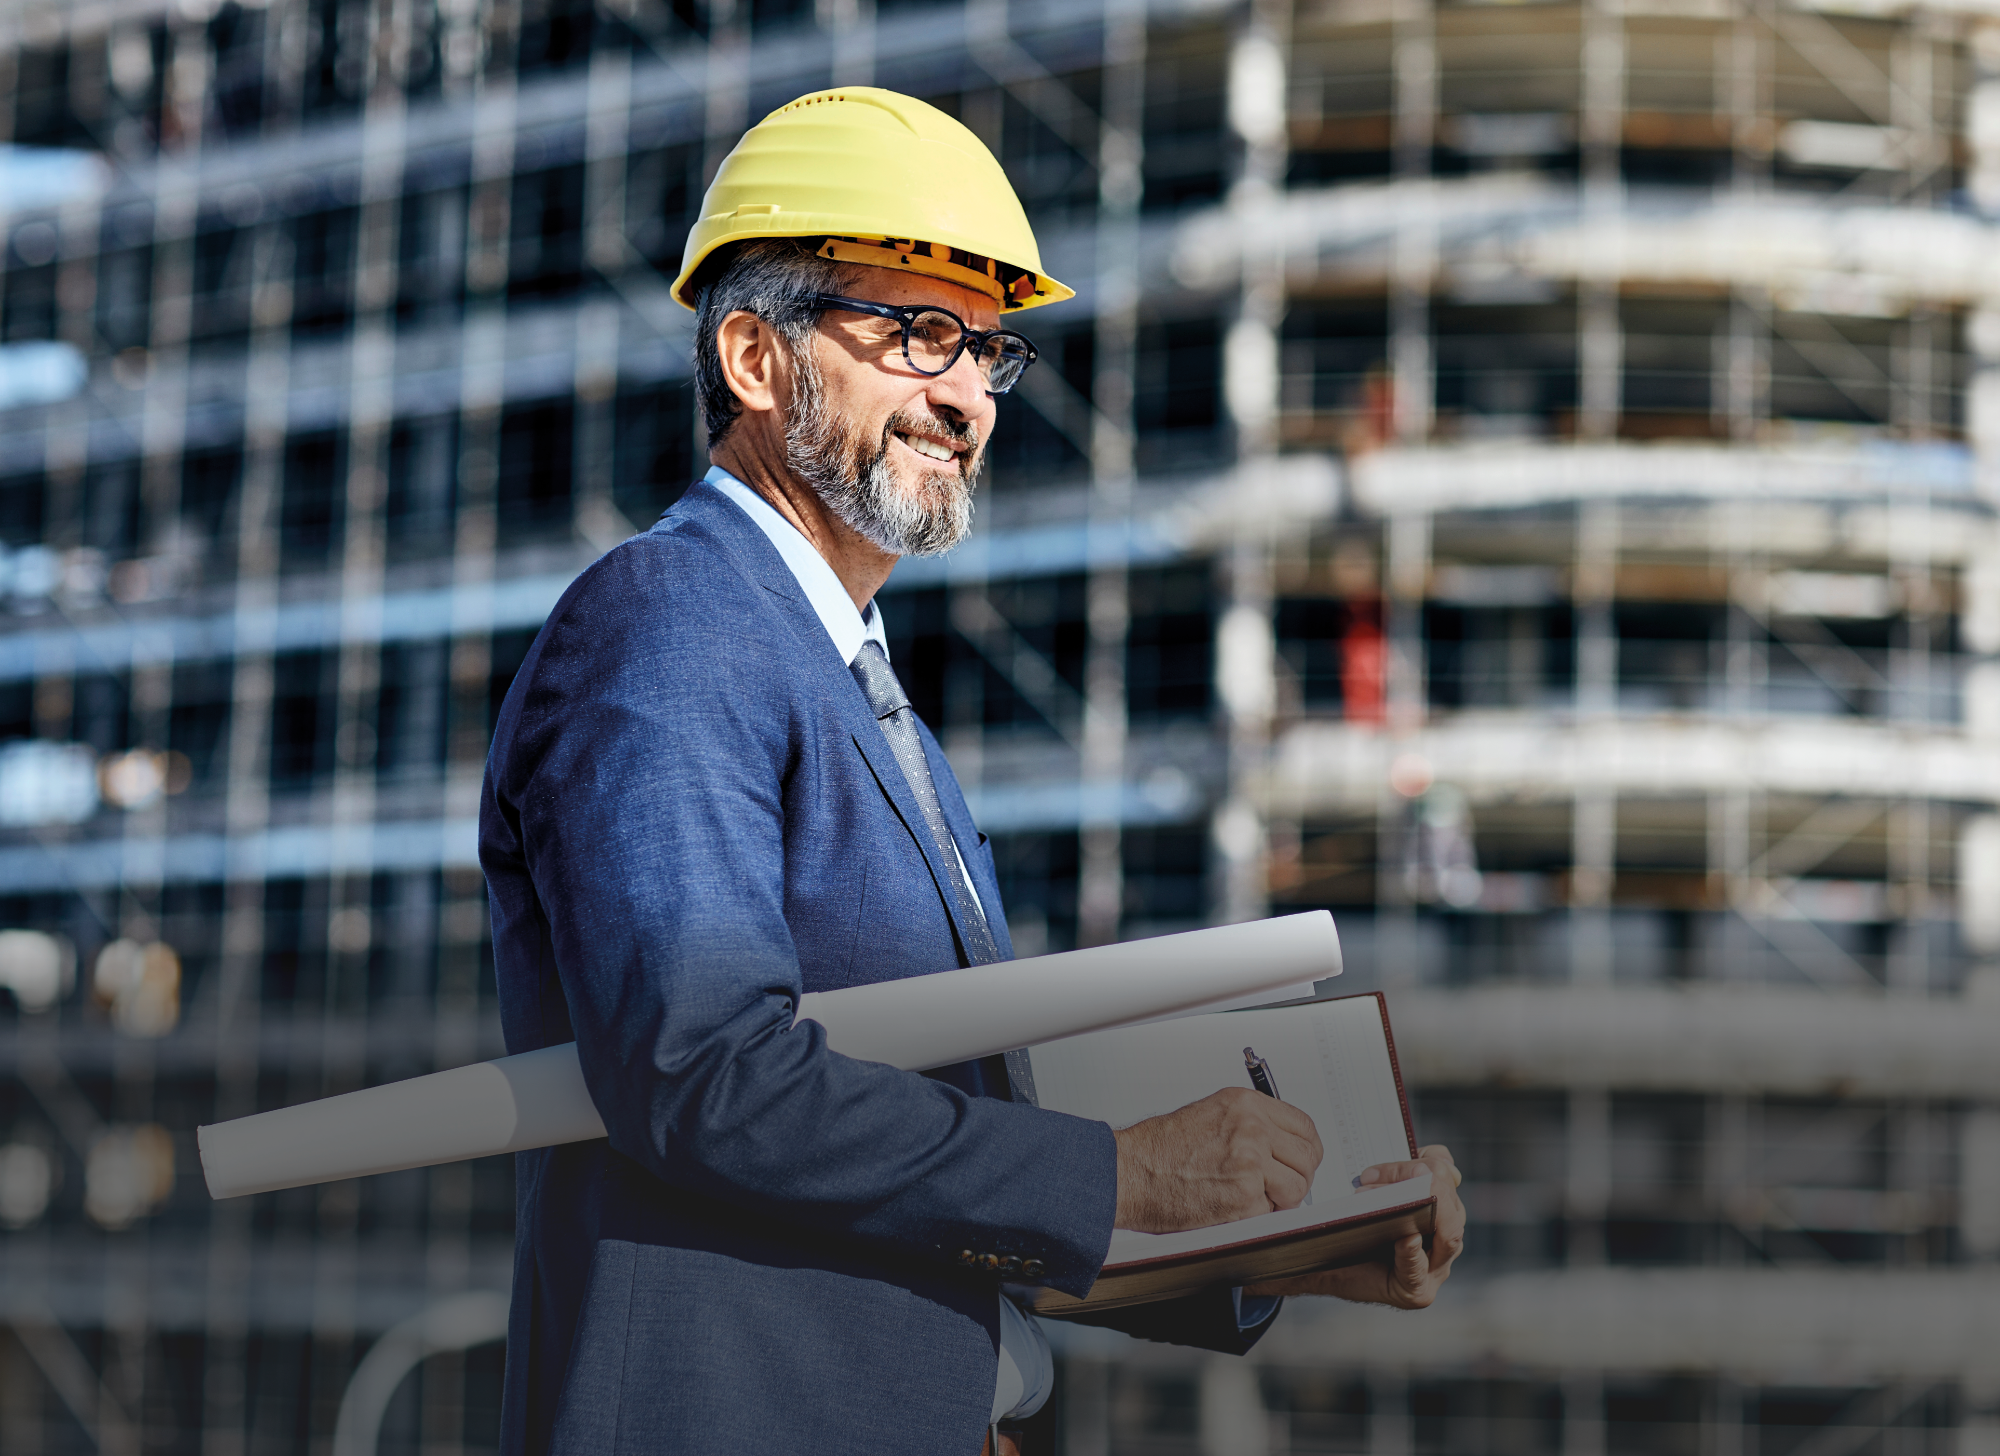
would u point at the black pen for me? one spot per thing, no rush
(1263, 1081)
(1260, 1073)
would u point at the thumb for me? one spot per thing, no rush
(1381, 1173)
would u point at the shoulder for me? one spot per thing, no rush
(668, 655)
(682, 566)
(695, 626)
(689, 590)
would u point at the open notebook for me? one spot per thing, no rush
(1335, 1060)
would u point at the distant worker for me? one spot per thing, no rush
(708, 794)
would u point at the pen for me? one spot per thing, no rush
(1263, 1081)
(1260, 1073)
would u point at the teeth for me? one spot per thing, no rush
(925, 447)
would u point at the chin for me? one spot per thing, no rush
(942, 501)
(937, 488)
(934, 485)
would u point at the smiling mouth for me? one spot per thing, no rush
(924, 445)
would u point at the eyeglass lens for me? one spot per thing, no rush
(935, 337)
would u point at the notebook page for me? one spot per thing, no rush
(1330, 1059)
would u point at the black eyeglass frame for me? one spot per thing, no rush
(906, 314)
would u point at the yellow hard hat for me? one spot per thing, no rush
(884, 179)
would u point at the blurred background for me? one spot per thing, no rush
(1518, 475)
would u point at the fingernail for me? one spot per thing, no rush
(1355, 1180)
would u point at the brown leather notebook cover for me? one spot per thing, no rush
(1355, 1228)
(1278, 1256)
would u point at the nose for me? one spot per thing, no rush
(962, 387)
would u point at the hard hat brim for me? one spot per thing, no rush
(932, 257)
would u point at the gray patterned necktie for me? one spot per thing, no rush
(891, 707)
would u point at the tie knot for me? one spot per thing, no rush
(879, 684)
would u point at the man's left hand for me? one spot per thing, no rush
(1410, 1276)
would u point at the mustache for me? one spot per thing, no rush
(959, 432)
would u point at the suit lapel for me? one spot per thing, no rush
(759, 560)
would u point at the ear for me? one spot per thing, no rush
(752, 361)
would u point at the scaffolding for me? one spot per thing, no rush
(1519, 476)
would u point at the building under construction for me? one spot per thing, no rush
(1520, 476)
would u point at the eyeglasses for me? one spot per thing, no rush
(933, 338)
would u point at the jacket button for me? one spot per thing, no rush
(1032, 1268)
(966, 1256)
(992, 1262)
(1011, 1263)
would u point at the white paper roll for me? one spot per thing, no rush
(534, 1100)
(933, 1021)
(538, 1099)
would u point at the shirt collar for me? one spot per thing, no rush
(847, 627)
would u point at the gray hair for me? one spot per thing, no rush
(773, 278)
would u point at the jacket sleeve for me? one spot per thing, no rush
(636, 782)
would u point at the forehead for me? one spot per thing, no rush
(893, 286)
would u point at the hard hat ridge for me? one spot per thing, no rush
(878, 178)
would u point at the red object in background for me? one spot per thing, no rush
(1364, 664)
(1371, 415)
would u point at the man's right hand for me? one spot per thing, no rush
(1231, 1155)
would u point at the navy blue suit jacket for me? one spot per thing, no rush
(691, 817)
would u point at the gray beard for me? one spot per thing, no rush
(852, 474)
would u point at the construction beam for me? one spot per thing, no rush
(1530, 756)
(1754, 1326)
(1700, 1038)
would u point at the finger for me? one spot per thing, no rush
(1451, 1221)
(1301, 1156)
(1410, 1267)
(1381, 1173)
(1440, 1159)
(1451, 1207)
(1284, 1187)
(1292, 1119)
(1282, 1119)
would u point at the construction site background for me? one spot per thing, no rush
(1521, 476)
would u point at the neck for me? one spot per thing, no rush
(861, 565)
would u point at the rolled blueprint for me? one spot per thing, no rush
(538, 1099)
(933, 1021)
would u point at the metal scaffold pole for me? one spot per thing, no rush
(1244, 647)
(1113, 462)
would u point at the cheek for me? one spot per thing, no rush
(857, 397)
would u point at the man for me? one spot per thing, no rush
(707, 795)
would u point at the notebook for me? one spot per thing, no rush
(1333, 1059)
